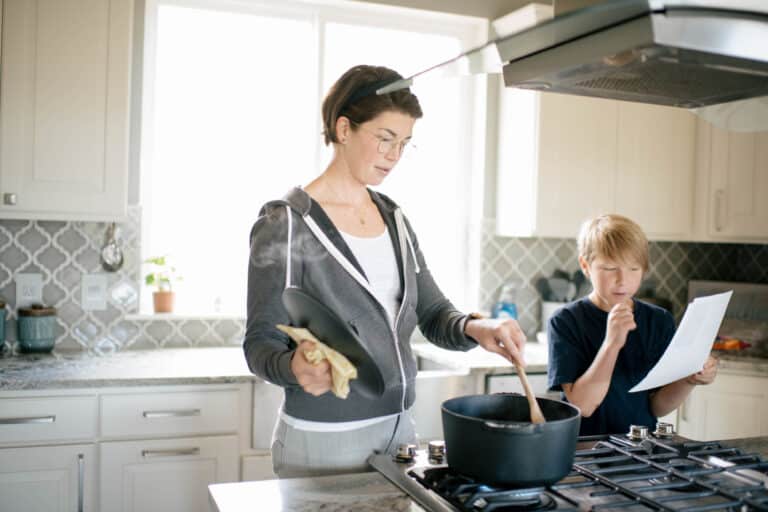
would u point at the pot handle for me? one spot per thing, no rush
(513, 428)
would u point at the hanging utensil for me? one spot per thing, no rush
(111, 253)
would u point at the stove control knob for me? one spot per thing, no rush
(436, 450)
(405, 453)
(664, 429)
(637, 432)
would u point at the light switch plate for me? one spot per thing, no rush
(93, 292)
(29, 290)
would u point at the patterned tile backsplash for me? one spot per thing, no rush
(672, 265)
(63, 251)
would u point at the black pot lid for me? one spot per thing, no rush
(306, 311)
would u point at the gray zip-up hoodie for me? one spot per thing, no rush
(322, 264)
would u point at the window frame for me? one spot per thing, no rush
(471, 32)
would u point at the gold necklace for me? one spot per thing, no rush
(360, 215)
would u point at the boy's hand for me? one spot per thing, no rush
(706, 375)
(621, 320)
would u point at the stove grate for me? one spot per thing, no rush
(692, 476)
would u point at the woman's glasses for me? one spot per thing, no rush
(387, 144)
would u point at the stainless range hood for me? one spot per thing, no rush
(683, 53)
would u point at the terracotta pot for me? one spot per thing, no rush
(163, 301)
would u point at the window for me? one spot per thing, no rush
(232, 120)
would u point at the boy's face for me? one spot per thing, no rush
(613, 282)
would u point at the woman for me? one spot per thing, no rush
(352, 249)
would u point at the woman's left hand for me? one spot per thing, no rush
(706, 375)
(499, 335)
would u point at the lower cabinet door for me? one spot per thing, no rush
(733, 406)
(165, 475)
(48, 479)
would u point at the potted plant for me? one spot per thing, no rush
(162, 276)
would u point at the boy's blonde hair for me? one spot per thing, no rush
(614, 237)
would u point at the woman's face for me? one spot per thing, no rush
(373, 148)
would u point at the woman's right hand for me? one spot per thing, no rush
(313, 378)
(621, 320)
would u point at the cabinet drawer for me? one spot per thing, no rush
(47, 419)
(165, 474)
(173, 413)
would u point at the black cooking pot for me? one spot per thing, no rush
(491, 438)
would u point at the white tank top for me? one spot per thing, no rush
(377, 257)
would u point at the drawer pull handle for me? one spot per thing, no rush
(171, 413)
(170, 452)
(80, 481)
(30, 419)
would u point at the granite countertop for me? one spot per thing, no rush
(360, 492)
(479, 359)
(537, 357)
(210, 365)
(740, 365)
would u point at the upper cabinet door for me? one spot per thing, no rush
(556, 162)
(577, 161)
(738, 186)
(65, 104)
(655, 168)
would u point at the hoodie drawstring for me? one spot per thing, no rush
(288, 248)
(402, 227)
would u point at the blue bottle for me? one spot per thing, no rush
(506, 307)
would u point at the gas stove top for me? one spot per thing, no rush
(636, 472)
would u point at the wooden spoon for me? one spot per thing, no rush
(536, 415)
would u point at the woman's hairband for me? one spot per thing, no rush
(367, 90)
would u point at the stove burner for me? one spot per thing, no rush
(468, 495)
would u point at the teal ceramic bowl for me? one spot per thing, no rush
(36, 329)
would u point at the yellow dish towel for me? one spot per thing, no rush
(342, 371)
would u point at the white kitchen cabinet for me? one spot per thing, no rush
(64, 97)
(144, 448)
(655, 168)
(165, 475)
(48, 478)
(738, 185)
(257, 467)
(733, 406)
(47, 462)
(563, 159)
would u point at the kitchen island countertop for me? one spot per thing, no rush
(357, 492)
(209, 365)
(360, 492)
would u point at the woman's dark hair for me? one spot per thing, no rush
(354, 96)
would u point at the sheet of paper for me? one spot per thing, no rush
(691, 344)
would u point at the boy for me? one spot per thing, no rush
(600, 346)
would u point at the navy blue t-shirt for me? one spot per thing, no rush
(576, 332)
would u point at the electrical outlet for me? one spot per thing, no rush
(29, 290)
(93, 292)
